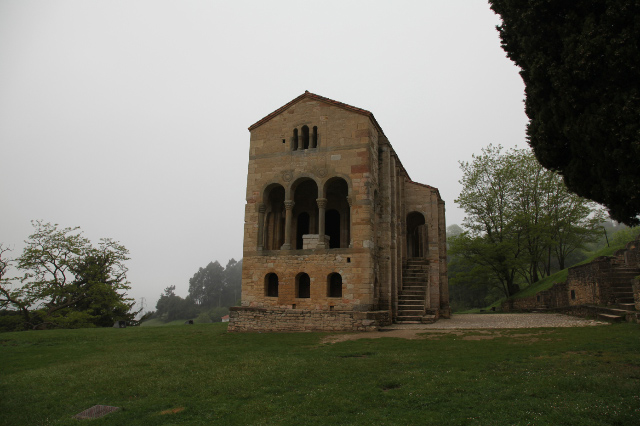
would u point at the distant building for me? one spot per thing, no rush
(337, 236)
(225, 318)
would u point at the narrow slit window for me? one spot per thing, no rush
(314, 137)
(305, 137)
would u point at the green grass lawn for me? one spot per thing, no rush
(201, 375)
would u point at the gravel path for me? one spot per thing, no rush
(490, 324)
(492, 321)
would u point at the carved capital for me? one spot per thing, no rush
(288, 205)
(262, 208)
(350, 201)
(322, 203)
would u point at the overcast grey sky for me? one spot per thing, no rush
(129, 118)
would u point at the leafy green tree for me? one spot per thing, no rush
(580, 63)
(68, 282)
(517, 214)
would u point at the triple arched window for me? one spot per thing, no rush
(304, 138)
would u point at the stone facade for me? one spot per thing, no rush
(334, 226)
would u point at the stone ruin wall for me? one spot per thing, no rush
(587, 284)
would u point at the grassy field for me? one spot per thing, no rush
(201, 375)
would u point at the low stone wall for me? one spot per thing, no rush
(636, 293)
(250, 319)
(551, 298)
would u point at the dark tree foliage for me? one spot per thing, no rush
(580, 62)
(212, 290)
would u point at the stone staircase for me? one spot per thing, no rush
(411, 300)
(621, 284)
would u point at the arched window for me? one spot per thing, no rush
(305, 211)
(294, 144)
(314, 138)
(273, 228)
(416, 235)
(305, 137)
(271, 285)
(334, 284)
(303, 286)
(337, 219)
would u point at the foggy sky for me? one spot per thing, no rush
(129, 118)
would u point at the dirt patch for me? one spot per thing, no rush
(171, 411)
(426, 334)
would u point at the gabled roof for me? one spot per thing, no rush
(309, 95)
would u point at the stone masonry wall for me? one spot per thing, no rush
(585, 283)
(355, 267)
(246, 319)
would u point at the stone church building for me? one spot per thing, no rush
(337, 236)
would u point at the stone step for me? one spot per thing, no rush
(409, 318)
(410, 310)
(627, 306)
(614, 311)
(403, 313)
(610, 317)
(625, 299)
(413, 293)
(622, 284)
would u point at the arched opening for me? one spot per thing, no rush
(271, 285)
(338, 213)
(303, 286)
(314, 138)
(334, 283)
(294, 144)
(332, 227)
(305, 137)
(273, 234)
(305, 193)
(302, 228)
(416, 235)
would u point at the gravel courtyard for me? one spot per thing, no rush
(489, 324)
(485, 321)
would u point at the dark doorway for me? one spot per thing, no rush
(332, 227)
(416, 235)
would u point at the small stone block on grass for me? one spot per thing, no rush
(96, 411)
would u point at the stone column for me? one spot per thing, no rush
(261, 209)
(322, 206)
(350, 201)
(288, 205)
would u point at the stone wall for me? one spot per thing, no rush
(587, 284)
(247, 319)
(555, 296)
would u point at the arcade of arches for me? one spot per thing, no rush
(306, 221)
